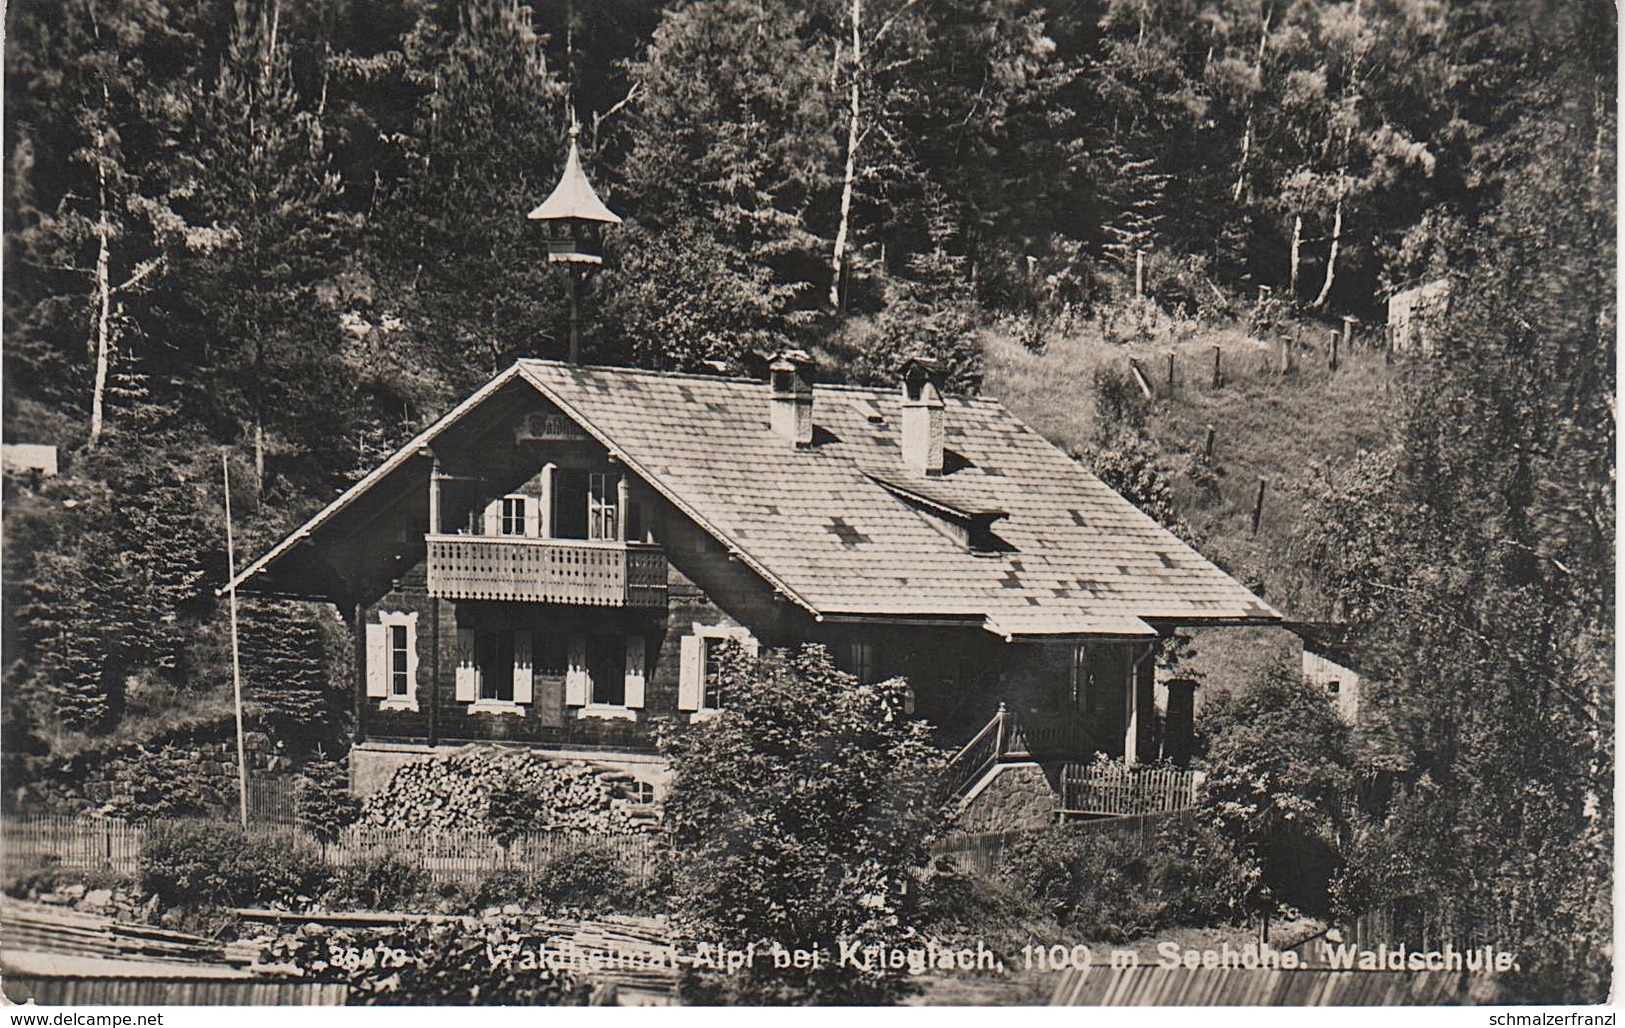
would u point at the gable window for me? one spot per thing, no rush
(603, 506)
(392, 660)
(515, 511)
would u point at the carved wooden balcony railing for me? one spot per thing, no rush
(522, 570)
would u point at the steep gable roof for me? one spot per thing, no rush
(1081, 559)
(828, 527)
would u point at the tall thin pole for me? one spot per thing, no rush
(236, 666)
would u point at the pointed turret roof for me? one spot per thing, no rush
(574, 197)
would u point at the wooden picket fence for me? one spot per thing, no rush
(88, 843)
(1108, 789)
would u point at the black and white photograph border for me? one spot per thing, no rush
(798, 503)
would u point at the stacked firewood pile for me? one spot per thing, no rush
(456, 792)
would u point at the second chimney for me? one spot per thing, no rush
(924, 425)
(790, 375)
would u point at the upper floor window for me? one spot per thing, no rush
(515, 511)
(603, 506)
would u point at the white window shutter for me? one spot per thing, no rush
(377, 661)
(575, 679)
(533, 517)
(493, 517)
(691, 677)
(468, 676)
(550, 474)
(636, 652)
(522, 680)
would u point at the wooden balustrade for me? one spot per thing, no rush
(1110, 789)
(523, 570)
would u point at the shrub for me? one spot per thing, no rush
(1277, 761)
(379, 883)
(801, 811)
(219, 864)
(447, 963)
(591, 880)
(1114, 889)
(322, 794)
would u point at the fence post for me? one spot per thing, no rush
(1258, 505)
(1218, 374)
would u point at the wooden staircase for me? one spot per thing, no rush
(1096, 788)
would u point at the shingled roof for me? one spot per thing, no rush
(828, 526)
(1080, 560)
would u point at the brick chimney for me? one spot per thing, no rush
(923, 417)
(790, 376)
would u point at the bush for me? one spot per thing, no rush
(322, 795)
(587, 881)
(447, 963)
(1113, 888)
(801, 811)
(219, 864)
(1277, 760)
(379, 883)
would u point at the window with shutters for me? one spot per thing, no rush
(700, 689)
(495, 670)
(392, 660)
(399, 681)
(493, 657)
(616, 668)
(714, 697)
(606, 666)
(515, 513)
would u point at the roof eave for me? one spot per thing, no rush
(372, 478)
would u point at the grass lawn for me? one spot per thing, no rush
(1296, 430)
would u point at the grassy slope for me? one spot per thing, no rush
(1294, 430)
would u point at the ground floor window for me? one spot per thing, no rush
(606, 666)
(392, 660)
(493, 659)
(700, 687)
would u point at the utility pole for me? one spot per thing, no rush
(236, 666)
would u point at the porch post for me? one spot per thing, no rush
(1131, 738)
(434, 497)
(358, 630)
(621, 504)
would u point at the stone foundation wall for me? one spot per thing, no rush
(1016, 797)
(195, 772)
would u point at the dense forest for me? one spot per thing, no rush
(293, 232)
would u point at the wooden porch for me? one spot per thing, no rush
(1088, 785)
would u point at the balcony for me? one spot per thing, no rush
(521, 570)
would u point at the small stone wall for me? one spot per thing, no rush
(196, 769)
(1015, 797)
